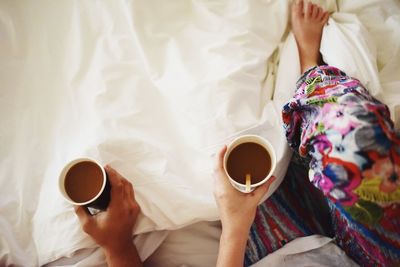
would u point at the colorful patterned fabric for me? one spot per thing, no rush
(355, 161)
(296, 209)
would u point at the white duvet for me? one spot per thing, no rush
(154, 89)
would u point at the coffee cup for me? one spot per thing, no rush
(249, 155)
(84, 182)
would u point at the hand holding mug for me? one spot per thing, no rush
(112, 229)
(236, 209)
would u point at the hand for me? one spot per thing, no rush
(112, 229)
(236, 209)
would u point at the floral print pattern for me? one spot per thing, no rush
(355, 160)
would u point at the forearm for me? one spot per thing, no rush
(127, 257)
(231, 249)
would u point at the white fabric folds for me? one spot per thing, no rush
(153, 88)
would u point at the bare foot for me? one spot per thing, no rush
(307, 28)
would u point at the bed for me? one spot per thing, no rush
(154, 90)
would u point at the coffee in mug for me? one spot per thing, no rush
(249, 155)
(84, 182)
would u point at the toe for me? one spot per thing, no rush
(309, 10)
(314, 11)
(317, 12)
(325, 17)
(298, 7)
(322, 13)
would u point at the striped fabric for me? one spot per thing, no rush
(296, 209)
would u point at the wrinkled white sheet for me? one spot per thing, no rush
(153, 89)
(314, 250)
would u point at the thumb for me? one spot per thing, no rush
(220, 159)
(220, 177)
(263, 189)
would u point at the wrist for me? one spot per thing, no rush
(236, 229)
(122, 256)
(235, 235)
(118, 249)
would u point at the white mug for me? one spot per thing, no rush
(100, 200)
(250, 139)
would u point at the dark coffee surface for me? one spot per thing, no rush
(83, 181)
(248, 158)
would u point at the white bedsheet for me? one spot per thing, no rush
(153, 89)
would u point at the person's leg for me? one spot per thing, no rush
(307, 22)
(354, 149)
